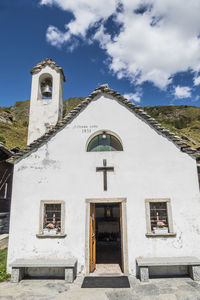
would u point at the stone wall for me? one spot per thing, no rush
(4, 221)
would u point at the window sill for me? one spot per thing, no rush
(51, 236)
(171, 234)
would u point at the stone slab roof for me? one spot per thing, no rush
(5, 150)
(47, 62)
(5, 153)
(136, 109)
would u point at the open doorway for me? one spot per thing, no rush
(106, 238)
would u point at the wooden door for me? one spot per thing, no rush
(121, 238)
(92, 238)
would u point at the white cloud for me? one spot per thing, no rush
(136, 97)
(197, 80)
(153, 44)
(86, 13)
(56, 37)
(102, 37)
(182, 92)
(196, 98)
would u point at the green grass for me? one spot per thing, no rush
(3, 258)
(183, 120)
(14, 132)
(13, 135)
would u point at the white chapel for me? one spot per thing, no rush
(103, 185)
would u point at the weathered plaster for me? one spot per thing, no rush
(150, 166)
(44, 113)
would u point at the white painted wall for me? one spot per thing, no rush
(150, 166)
(44, 112)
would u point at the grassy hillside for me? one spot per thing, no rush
(71, 103)
(14, 121)
(14, 124)
(183, 120)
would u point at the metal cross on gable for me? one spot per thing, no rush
(105, 169)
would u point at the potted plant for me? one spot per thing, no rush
(50, 229)
(160, 228)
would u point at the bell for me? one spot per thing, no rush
(46, 91)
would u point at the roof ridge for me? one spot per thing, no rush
(137, 109)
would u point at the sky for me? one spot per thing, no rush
(147, 50)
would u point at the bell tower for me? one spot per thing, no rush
(46, 98)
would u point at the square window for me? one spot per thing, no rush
(158, 217)
(52, 218)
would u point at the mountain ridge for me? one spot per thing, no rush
(183, 120)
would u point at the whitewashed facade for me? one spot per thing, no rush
(151, 166)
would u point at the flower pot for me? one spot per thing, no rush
(49, 231)
(160, 230)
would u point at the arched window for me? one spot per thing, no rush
(104, 142)
(45, 88)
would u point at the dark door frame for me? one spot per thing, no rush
(124, 253)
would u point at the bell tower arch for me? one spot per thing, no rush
(46, 98)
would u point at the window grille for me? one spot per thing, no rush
(52, 217)
(158, 215)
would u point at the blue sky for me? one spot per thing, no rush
(147, 50)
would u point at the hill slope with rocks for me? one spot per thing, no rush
(182, 120)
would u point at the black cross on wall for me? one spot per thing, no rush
(105, 169)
